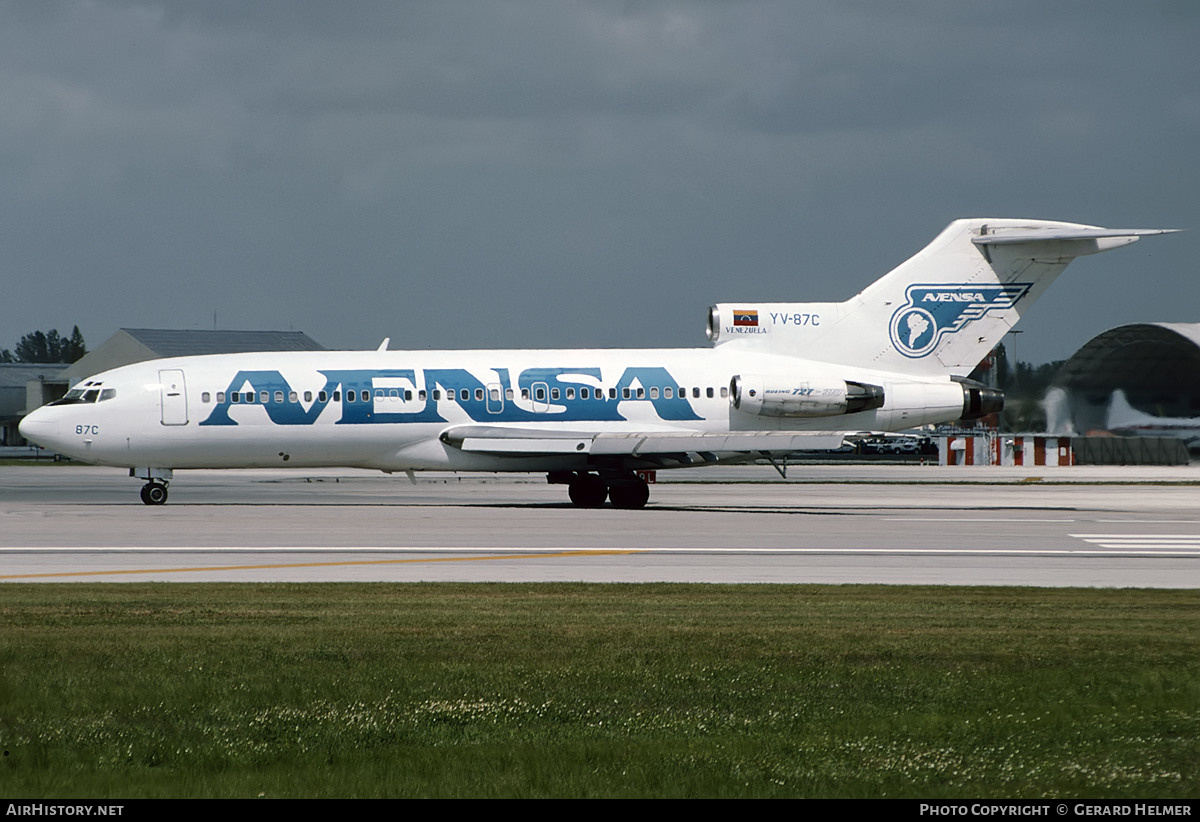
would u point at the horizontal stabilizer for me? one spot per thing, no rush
(1036, 235)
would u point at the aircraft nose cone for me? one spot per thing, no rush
(36, 428)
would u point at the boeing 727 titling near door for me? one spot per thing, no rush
(779, 377)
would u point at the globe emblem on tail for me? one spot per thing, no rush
(914, 332)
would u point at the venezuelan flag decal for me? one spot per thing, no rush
(745, 317)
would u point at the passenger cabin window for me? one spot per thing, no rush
(220, 396)
(708, 392)
(205, 396)
(308, 396)
(464, 395)
(278, 396)
(264, 397)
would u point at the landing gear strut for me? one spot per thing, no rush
(154, 493)
(590, 490)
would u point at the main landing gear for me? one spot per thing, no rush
(154, 493)
(590, 490)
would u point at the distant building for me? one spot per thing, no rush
(1141, 379)
(17, 380)
(25, 386)
(130, 345)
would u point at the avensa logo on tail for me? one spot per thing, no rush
(933, 311)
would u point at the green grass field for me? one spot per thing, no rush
(397, 690)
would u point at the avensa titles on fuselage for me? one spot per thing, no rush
(780, 377)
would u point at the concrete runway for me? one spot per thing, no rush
(1108, 527)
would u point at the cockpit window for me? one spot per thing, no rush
(75, 395)
(89, 392)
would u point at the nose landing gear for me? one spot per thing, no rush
(154, 493)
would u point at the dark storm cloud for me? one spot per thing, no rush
(558, 173)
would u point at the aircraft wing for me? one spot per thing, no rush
(502, 440)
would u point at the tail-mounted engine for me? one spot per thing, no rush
(773, 397)
(979, 401)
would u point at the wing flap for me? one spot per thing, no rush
(523, 441)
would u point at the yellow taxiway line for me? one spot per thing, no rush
(584, 553)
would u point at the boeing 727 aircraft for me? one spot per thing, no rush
(780, 377)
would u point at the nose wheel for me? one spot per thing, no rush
(154, 493)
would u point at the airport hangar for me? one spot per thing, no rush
(1156, 365)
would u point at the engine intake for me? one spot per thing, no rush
(772, 397)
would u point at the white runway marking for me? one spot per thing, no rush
(975, 519)
(1142, 543)
(1140, 546)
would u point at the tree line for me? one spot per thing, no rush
(48, 346)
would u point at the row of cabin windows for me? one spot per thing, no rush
(464, 394)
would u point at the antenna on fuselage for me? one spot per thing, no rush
(383, 345)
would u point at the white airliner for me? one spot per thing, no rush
(1124, 419)
(780, 377)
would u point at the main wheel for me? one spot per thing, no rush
(154, 493)
(629, 493)
(587, 491)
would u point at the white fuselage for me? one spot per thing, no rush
(389, 409)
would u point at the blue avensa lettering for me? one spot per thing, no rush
(408, 396)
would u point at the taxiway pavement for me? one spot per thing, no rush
(1106, 527)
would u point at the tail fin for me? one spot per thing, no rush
(939, 312)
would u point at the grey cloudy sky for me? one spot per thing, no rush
(562, 174)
